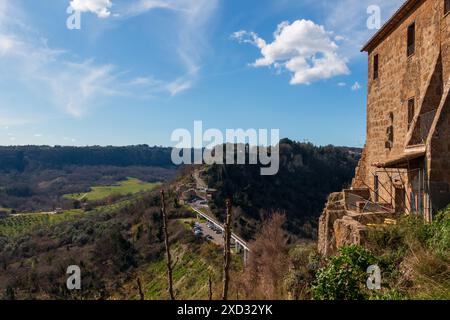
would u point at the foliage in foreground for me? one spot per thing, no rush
(345, 275)
(413, 257)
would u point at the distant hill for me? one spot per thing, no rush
(44, 157)
(307, 175)
(35, 178)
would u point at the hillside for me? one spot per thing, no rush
(37, 178)
(111, 244)
(307, 175)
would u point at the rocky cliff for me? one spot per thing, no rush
(339, 226)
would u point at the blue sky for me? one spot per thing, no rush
(139, 69)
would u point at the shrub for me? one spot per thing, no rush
(440, 230)
(344, 278)
(303, 262)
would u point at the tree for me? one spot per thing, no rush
(267, 265)
(167, 244)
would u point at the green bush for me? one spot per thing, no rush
(344, 278)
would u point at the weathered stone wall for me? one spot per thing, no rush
(424, 76)
(401, 78)
(360, 171)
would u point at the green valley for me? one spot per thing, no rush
(128, 186)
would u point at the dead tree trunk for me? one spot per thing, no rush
(166, 240)
(226, 251)
(141, 293)
(210, 288)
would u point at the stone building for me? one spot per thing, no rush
(405, 165)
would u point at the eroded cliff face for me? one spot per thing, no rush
(334, 210)
(340, 227)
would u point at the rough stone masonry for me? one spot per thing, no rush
(405, 164)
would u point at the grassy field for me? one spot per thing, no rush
(131, 185)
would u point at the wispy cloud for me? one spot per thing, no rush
(133, 8)
(68, 85)
(76, 86)
(189, 26)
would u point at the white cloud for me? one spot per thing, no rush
(100, 7)
(304, 48)
(348, 18)
(342, 84)
(356, 86)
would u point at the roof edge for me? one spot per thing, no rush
(390, 24)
